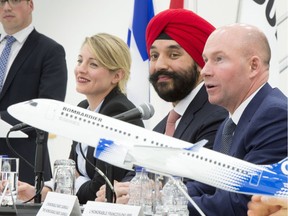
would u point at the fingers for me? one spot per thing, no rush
(122, 192)
(256, 208)
(25, 191)
(100, 194)
(275, 201)
(122, 199)
(256, 198)
(281, 212)
(266, 205)
(77, 174)
(2, 185)
(23, 186)
(121, 189)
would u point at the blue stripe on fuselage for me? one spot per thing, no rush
(102, 146)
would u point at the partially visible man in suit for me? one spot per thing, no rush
(36, 69)
(236, 75)
(175, 39)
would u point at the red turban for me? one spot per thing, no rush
(188, 29)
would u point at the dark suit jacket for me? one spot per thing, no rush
(39, 71)
(114, 103)
(199, 121)
(260, 137)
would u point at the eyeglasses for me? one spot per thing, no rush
(11, 2)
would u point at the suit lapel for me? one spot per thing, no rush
(107, 100)
(247, 115)
(196, 104)
(23, 54)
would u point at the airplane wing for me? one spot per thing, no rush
(203, 165)
(220, 171)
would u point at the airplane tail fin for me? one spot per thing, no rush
(113, 153)
(281, 167)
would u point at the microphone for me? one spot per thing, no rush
(19, 126)
(144, 111)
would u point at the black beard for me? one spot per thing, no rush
(183, 83)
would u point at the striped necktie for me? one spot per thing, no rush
(4, 58)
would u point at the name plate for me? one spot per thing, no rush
(111, 209)
(60, 204)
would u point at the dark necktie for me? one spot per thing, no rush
(170, 125)
(4, 58)
(227, 136)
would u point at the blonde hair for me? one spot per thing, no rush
(112, 53)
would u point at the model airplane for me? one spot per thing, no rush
(125, 145)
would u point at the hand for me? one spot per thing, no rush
(2, 185)
(25, 191)
(76, 174)
(122, 192)
(267, 206)
(44, 192)
(101, 194)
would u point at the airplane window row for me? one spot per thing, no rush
(98, 124)
(224, 165)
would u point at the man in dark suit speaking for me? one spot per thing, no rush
(35, 67)
(236, 75)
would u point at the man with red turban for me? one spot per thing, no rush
(188, 29)
(175, 39)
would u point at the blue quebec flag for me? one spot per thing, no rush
(143, 12)
(138, 85)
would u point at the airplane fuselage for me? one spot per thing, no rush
(124, 145)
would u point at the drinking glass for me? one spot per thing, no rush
(64, 176)
(9, 169)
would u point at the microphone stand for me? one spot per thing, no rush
(109, 174)
(39, 164)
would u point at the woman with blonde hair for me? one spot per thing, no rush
(101, 73)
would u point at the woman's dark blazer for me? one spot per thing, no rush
(114, 103)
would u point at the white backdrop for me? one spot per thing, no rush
(70, 21)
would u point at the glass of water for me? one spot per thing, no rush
(9, 169)
(64, 176)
